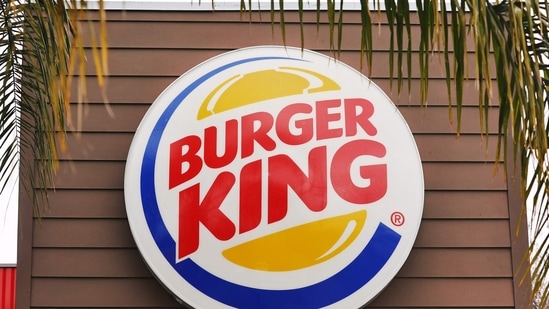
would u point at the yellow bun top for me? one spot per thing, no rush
(250, 88)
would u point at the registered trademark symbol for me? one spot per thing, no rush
(397, 218)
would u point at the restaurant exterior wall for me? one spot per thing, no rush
(81, 254)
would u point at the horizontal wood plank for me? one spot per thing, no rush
(123, 89)
(86, 204)
(452, 148)
(435, 119)
(98, 292)
(463, 176)
(463, 234)
(457, 263)
(438, 176)
(159, 61)
(91, 203)
(99, 146)
(115, 233)
(466, 204)
(291, 16)
(90, 175)
(82, 233)
(89, 263)
(426, 293)
(204, 33)
(146, 292)
(130, 89)
(127, 263)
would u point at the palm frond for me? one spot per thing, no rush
(37, 58)
(10, 58)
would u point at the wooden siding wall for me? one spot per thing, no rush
(83, 255)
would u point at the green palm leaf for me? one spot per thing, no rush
(37, 57)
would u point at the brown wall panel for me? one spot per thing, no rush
(86, 204)
(90, 203)
(124, 89)
(462, 176)
(434, 119)
(89, 263)
(292, 16)
(450, 147)
(437, 93)
(432, 148)
(143, 61)
(97, 118)
(89, 174)
(229, 16)
(203, 34)
(422, 263)
(100, 292)
(463, 233)
(402, 292)
(172, 34)
(97, 146)
(457, 263)
(82, 233)
(465, 205)
(85, 257)
(115, 233)
(424, 293)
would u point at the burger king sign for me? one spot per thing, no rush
(274, 177)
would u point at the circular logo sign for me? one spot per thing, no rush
(273, 177)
